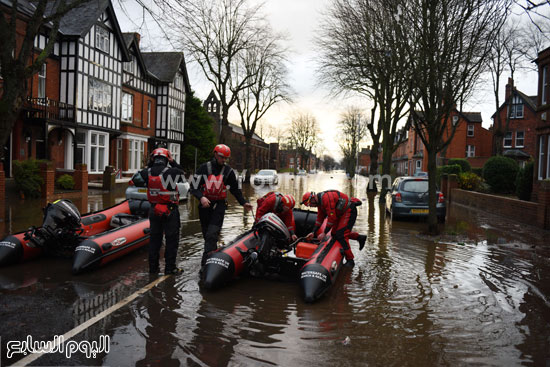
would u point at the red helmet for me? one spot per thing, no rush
(223, 150)
(308, 198)
(163, 152)
(288, 202)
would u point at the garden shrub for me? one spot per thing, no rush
(463, 163)
(478, 171)
(65, 182)
(524, 182)
(450, 170)
(469, 181)
(27, 177)
(500, 173)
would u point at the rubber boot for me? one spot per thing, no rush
(361, 239)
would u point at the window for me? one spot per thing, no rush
(148, 113)
(127, 106)
(470, 151)
(455, 120)
(99, 96)
(418, 165)
(471, 130)
(175, 151)
(517, 108)
(508, 140)
(519, 139)
(97, 151)
(291, 160)
(541, 157)
(544, 85)
(135, 154)
(42, 82)
(119, 153)
(547, 159)
(176, 120)
(102, 39)
(129, 66)
(80, 148)
(178, 82)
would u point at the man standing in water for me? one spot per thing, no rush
(210, 185)
(162, 176)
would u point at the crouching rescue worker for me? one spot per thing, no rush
(341, 213)
(281, 205)
(210, 185)
(162, 176)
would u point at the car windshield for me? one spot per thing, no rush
(265, 173)
(415, 186)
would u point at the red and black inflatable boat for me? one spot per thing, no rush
(265, 251)
(116, 231)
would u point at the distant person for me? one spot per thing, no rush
(281, 205)
(210, 185)
(341, 213)
(161, 176)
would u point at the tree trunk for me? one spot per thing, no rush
(386, 168)
(497, 142)
(373, 170)
(10, 104)
(247, 165)
(432, 215)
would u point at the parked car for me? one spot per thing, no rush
(266, 177)
(420, 174)
(137, 188)
(409, 197)
(301, 172)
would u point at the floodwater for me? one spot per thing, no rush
(478, 295)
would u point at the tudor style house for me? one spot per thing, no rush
(98, 100)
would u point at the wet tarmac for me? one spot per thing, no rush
(478, 294)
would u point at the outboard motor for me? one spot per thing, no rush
(273, 235)
(60, 229)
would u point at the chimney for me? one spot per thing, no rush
(138, 37)
(509, 88)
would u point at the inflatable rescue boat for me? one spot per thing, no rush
(266, 251)
(115, 231)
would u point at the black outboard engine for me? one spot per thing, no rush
(60, 229)
(274, 236)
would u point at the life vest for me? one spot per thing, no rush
(342, 204)
(157, 193)
(214, 189)
(278, 206)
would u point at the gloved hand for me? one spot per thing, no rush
(321, 236)
(309, 236)
(293, 237)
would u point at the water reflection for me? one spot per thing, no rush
(479, 298)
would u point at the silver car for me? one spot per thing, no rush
(137, 188)
(408, 197)
(266, 177)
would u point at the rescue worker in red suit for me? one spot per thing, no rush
(341, 213)
(281, 205)
(162, 176)
(210, 185)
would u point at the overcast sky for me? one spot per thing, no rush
(300, 20)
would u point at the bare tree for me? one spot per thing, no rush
(447, 44)
(507, 53)
(19, 60)
(217, 34)
(329, 163)
(303, 136)
(264, 65)
(360, 53)
(353, 129)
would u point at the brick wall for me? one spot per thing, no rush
(519, 210)
(48, 176)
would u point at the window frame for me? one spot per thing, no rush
(541, 157)
(102, 38)
(100, 96)
(471, 129)
(148, 113)
(522, 145)
(100, 153)
(470, 151)
(127, 107)
(42, 75)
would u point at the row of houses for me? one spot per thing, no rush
(100, 100)
(527, 137)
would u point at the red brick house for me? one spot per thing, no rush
(520, 139)
(542, 130)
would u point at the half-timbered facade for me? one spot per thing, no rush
(169, 69)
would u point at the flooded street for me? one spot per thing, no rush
(477, 295)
